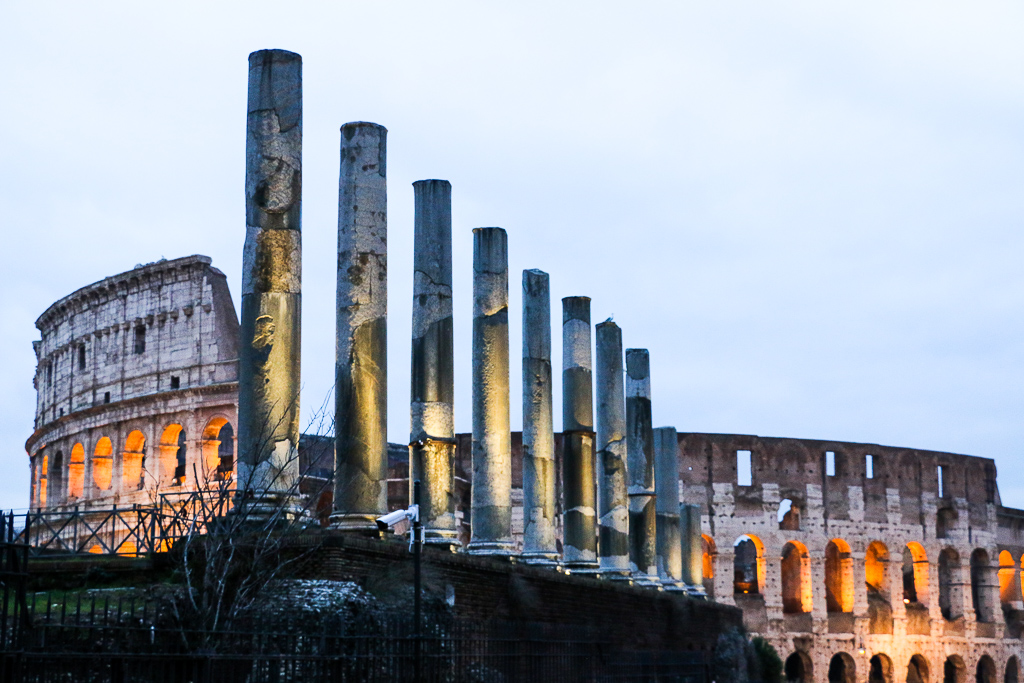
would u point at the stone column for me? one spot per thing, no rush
(269, 353)
(666, 485)
(432, 432)
(539, 541)
(579, 522)
(692, 549)
(612, 498)
(643, 555)
(492, 457)
(361, 360)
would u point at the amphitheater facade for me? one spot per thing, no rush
(856, 561)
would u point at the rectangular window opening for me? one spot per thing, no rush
(175, 382)
(106, 397)
(941, 476)
(830, 464)
(869, 466)
(743, 474)
(81, 357)
(140, 339)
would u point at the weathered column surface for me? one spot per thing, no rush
(360, 378)
(539, 538)
(612, 499)
(666, 485)
(643, 555)
(492, 457)
(692, 549)
(268, 363)
(579, 522)
(432, 431)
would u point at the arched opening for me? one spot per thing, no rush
(841, 669)
(950, 596)
(133, 462)
(218, 449)
(954, 670)
(876, 569)
(838, 576)
(880, 669)
(915, 574)
(1009, 590)
(986, 670)
(796, 579)
(103, 464)
(76, 472)
(945, 521)
(96, 549)
(798, 668)
(980, 592)
(789, 515)
(56, 478)
(173, 456)
(128, 549)
(917, 670)
(748, 565)
(43, 478)
(1012, 674)
(708, 554)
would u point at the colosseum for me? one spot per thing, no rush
(855, 561)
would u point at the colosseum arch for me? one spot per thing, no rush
(842, 669)
(708, 555)
(880, 669)
(876, 569)
(1009, 579)
(981, 593)
(103, 464)
(44, 477)
(55, 479)
(133, 461)
(838, 576)
(954, 670)
(76, 472)
(797, 597)
(799, 668)
(917, 670)
(915, 574)
(1012, 674)
(218, 450)
(173, 456)
(986, 670)
(748, 565)
(950, 585)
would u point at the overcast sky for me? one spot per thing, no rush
(809, 212)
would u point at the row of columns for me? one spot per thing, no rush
(616, 522)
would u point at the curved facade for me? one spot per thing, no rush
(137, 390)
(861, 562)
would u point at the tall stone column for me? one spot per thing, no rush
(612, 498)
(643, 555)
(539, 541)
(579, 522)
(268, 363)
(361, 361)
(492, 452)
(666, 485)
(692, 549)
(432, 432)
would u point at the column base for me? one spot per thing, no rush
(266, 508)
(647, 581)
(491, 548)
(697, 592)
(583, 569)
(540, 559)
(673, 586)
(363, 524)
(442, 538)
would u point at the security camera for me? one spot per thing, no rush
(399, 521)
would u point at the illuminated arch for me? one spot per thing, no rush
(748, 565)
(708, 554)
(133, 461)
(103, 464)
(1009, 589)
(44, 477)
(218, 449)
(876, 568)
(797, 591)
(838, 576)
(76, 472)
(173, 456)
(915, 574)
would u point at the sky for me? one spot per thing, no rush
(810, 213)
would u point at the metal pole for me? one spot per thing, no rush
(416, 526)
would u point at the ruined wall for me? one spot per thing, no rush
(136, 379)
